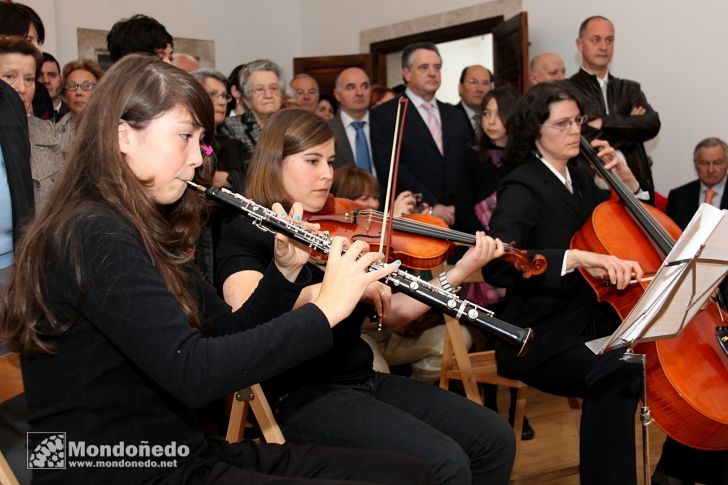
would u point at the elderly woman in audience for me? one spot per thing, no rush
(230, 156)
(79, 80)
(261, 84)
(18, 62)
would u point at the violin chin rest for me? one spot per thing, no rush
(721, 333)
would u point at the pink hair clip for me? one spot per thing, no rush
(206, 149)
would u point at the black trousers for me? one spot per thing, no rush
(610, 389)
(248, 462)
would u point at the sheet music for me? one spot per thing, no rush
(691, 272)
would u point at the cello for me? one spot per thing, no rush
(687, 376)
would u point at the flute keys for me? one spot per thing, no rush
(472, 313)
(414, 285)
(451, 303)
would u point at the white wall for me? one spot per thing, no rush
(243, 30)
(678, 51)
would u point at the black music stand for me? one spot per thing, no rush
(687, 278)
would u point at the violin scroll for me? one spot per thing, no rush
(519, 258)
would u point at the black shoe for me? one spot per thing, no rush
(527, 433)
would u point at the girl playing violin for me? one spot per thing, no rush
(541, 204)
(120, 338)
(336, 397)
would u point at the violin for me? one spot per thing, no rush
(410, 285)
(420, 241)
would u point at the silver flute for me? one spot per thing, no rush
(414, 287)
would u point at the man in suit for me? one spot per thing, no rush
(475, 82)
(617, 108)
(436, 135)
(546, 67)
(709, 160)
(351, 125)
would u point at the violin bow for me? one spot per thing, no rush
(386, 235)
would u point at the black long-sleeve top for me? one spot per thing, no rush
(349, 360)
(131, 367)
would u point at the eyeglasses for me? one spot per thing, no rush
(273, 89)
(567, 124)
(224, 96)
(709, 163)
(86, 86)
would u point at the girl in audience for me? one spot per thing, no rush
(336, 398)
(118, 336)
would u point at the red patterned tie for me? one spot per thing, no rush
(433, 125)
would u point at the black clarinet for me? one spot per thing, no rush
(412, 286)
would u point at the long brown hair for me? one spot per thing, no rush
(287, 132)
(97, 178)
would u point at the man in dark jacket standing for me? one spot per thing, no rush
(617, 108)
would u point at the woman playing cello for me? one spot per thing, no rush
(541, 204)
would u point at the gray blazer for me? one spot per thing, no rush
(344, 152)
(45, 157)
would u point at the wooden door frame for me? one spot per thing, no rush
(379, 50)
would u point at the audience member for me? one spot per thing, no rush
(79, 81)
(50, 76)
(337, 397)
(231, 158)
(326, 107)
(421, 348)
(545, 67)
(119, 341)
(18, 61)
(19, 19)
(435, 138)
(380, 95)
(351, 125)
(185, 61)
(618, 110)
(475, 82)
(710, 160)
(305, 90)
(141, 34)
(261, 84)
(236, 106)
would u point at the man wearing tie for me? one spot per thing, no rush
(678, 463)
(475, 82)
(709, 159)
(435, 137)
(351, 124)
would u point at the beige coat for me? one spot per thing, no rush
(45, 157)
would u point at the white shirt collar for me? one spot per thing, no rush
(419, 101)
(564, 180)
(346, 119)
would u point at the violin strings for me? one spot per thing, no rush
(422, 228)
